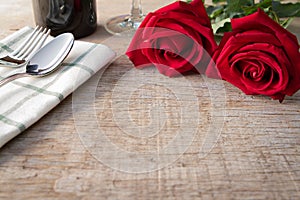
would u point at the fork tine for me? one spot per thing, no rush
(28, 47)
(39, 44)
(36, 44)
(29, 43)
(17, 50)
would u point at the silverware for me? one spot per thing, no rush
(47, 59)
(33, 43)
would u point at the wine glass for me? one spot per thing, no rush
(128, 22)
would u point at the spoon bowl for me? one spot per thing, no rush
(47, 59)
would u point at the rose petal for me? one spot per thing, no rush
(261, 21)
(275, 83)
(170, 50)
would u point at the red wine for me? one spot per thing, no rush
(75, 16)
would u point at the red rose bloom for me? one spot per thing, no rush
(259, 57)
(175, 38)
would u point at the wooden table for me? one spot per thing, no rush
(168, 139)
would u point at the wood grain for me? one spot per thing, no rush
(254, 156)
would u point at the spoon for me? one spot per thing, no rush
(47, 59)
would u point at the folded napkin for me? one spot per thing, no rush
(24, 101)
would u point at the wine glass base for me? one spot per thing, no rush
(122, 23)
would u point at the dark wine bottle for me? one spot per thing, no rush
(75, 16)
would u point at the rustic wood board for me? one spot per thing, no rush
(255, 155)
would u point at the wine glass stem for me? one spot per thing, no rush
(136, 9)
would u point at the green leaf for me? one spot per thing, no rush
(286, 9)
(218, 1)
(265, 4)
(221, 26)
(235, 6)
(226, 28)
(214, 11)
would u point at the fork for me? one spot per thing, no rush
(27, 49)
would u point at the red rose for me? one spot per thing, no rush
(175, 38)
(259, 57)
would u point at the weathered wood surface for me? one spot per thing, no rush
(254, 156)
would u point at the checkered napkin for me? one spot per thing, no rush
(24, 101)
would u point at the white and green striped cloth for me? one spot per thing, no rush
(24, 101)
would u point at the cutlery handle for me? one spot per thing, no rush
(11, 78)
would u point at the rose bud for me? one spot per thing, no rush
(259, 56)
(176, 39)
